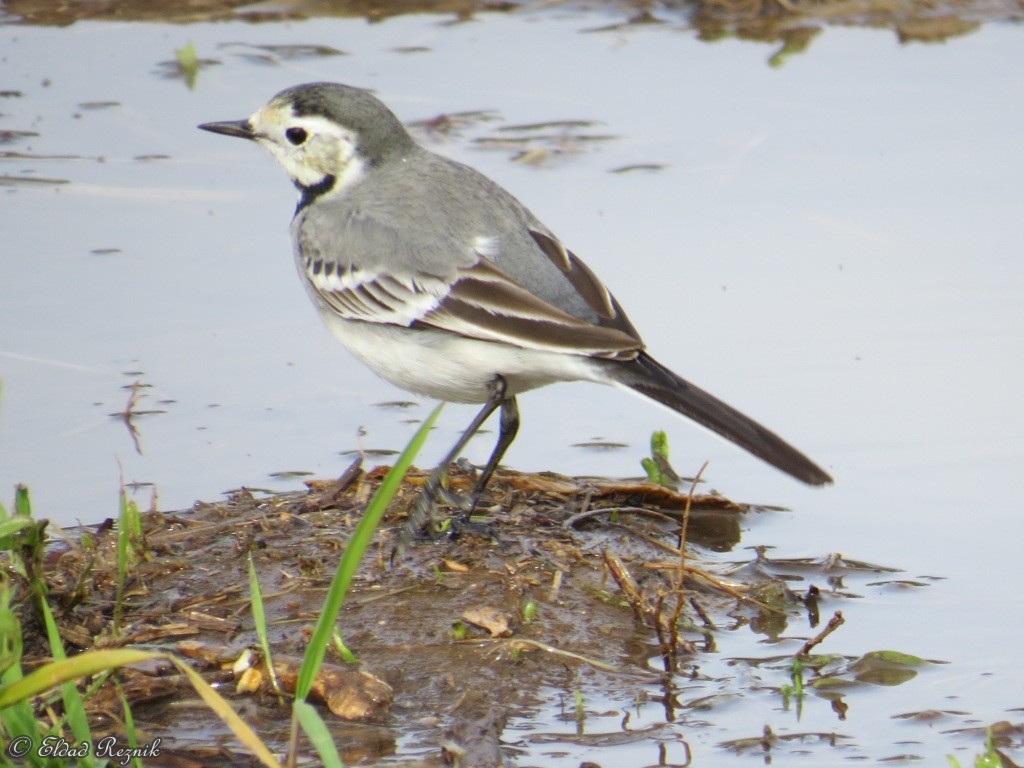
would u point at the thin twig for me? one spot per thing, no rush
(626, 583)
(571, 521)
(679, 586)
(729, 590)
(834, 623)
(641, 607)
(521, 641)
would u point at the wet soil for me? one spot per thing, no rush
(573, 585)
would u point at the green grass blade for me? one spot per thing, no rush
(353, 554)
(318, 734)
(223, 710)
(24, 536)
(341, 649)
(18, 719)
(259, 618)
(74, 706)
(12, 525)
(93, 662)
(84, 664)
(9, 526)
(129, 725)
(31, 546)
(123, 531)
(22, 506)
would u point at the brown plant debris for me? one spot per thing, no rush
(538, 596)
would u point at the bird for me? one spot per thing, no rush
(445, 285)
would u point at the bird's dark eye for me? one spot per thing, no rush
(296, 135)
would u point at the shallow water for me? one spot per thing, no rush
(833, 246)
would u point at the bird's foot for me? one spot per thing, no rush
(426, 523)
(462, 523)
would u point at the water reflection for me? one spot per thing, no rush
(793, 23)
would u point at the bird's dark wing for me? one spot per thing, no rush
(479, 301)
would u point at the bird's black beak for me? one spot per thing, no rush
(240, 128)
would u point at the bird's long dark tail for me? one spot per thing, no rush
(651, 379)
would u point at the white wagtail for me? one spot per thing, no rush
(445, 285)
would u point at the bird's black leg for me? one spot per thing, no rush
(506, 434)
(423, 507)
(509, 425)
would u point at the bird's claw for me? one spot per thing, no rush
(462, 524)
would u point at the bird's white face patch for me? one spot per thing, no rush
(309, 147)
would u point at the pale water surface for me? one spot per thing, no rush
(834, 246)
